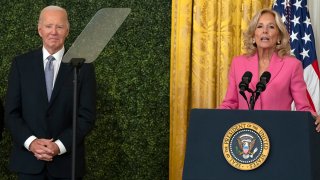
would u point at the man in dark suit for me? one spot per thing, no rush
(39, 105)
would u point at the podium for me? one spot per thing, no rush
(294, 152)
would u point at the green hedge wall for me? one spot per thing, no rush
(131, 136)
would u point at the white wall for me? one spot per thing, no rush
(314, 9)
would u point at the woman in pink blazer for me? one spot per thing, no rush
(268, 49)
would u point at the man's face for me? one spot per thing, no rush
(53, 29)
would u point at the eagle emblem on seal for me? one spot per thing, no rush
(246, 143)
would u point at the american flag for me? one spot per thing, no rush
(295, 15)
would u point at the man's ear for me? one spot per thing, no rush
(39, 31)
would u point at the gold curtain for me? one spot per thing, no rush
(205, 35)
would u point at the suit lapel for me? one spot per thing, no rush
(64, 71)
(251, 65)
(38, 60)
(275, 66)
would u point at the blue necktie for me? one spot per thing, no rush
(49, 73)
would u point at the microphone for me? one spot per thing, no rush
(246, 79)
(261, 85)
(264, 79)
(244, 85)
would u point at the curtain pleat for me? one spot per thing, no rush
(179, 83)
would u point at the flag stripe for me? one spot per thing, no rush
(311, 102)
(315, 66)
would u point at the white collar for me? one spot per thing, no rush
(58, 55)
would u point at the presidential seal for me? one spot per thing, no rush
(246, 146)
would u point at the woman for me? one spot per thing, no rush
(268, 49)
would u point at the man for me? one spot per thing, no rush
(39, 105)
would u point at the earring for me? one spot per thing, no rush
(254, 43)
(278, 42)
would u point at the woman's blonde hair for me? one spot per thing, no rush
(282, 48)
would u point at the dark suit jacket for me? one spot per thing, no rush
(28, 112)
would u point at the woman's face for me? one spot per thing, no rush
(267, 33)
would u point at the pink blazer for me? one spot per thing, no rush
(286, 84)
